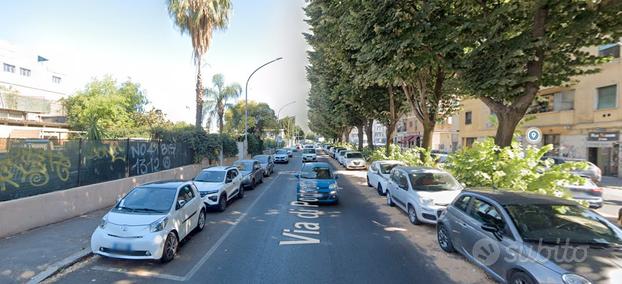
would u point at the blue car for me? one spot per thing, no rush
(317, 183)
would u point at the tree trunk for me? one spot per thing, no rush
(361, 133)
(369, 131)
(221, 122)
(390, 132)
(199, 98)
(428, 131)
(507, 125)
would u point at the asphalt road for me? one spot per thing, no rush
(361, 240)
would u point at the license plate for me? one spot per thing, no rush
(122, 246)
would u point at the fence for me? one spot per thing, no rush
(35, 166)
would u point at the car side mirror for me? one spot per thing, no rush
(496, 231)
(180, 204)
(336, 176)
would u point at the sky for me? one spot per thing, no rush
(138, 40)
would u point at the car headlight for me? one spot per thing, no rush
(334, 192)
(575, 279)
(427, 201)
(332, 186)
(158, 225)
(103, 223)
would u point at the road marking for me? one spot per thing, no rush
(302, 227)
(211, 251)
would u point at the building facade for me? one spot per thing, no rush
(581, 120)
(409, 133)
(379, 133)
(30, 96)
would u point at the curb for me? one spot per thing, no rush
(60, 265)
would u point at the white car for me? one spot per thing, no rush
(354, 160)
(150, 221)
(423, 193)
(339, 154)
(281, 156)
(378, 174)
(218, 186)
(309, 155)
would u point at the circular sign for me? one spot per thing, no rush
(534, 135)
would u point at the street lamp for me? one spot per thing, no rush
(246, 106)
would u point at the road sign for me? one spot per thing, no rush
(534, 135)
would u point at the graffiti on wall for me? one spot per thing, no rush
(32, 167)
(151, 157)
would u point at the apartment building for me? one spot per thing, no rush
(379, 133)
(582, 120)
(30, 94)
(409, 132)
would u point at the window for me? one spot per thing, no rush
(554, 140)
(468, 117)
(410, 124)
(24, 72)
(403, 181)
(56, 79)
(486, 213)
(563, 101)
(462, 203)
(185, 193)
(9, 68)
(609, 50)
(607, 97)
(469, 141)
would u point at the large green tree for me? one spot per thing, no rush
(261, 118)
(198, 18)
(513, 48)
(218, 99)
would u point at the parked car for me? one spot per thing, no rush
(592, 171)
(378, 174)
(150, 221)
(290, 151)
(267, 163)
(336, 151)
(518, 237)
(309, 155)
(354, 160)
(317, 183)
(588, 191)
(423, 193)
(281, 156)
(219, 185)
(339, 154)
(251, 172)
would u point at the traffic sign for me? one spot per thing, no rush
(534, 135)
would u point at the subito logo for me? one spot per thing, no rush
(486, 251)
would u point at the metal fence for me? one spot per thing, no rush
(35, 166)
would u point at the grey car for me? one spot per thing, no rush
(267, 164)
(527, 238)
(251, 171)
(593, 172)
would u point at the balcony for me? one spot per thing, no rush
(551, 118)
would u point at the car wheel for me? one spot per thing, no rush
(520, 277)
(442, 235)
(201, 221)
(241, 192)
(412, 216)
(170, 247)
(222, 203)
(368, 184)
(389, 199)
(380, 191)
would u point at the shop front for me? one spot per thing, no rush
(603, 151)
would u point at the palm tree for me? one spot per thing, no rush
(218, 98)
(199, 18)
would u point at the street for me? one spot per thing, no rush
(268, 238)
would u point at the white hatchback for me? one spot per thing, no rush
(219, 185)
(150, 221)
(423, 193)
(378, 174)
(353, 160)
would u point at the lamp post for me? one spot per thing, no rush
(246, 105)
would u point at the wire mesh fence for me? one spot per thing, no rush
(35, 166)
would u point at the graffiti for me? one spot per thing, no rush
(150, 157)
(113, 152)
(24, 166)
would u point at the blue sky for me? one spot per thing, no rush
(137, 39)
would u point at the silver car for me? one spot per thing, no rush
(588, 191)
(532, 238)
(267, 163)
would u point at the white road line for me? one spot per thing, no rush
(140, 274)
(211, 251)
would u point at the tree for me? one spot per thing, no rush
(105, 108)
(513, 48)
(218, 98)
(260, 119)
(198, 18)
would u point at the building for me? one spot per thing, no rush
(379, 133)
(409, 132)
(30, 94)
(582, 120)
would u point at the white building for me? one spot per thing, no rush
(30, 93)
(379, 133)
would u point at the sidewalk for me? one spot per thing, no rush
(612, 182)
(27, 254)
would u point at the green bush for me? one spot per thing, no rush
(203, 145)
(269, 144)
(411, 156)
(512, 168)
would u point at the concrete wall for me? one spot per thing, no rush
(26, 213)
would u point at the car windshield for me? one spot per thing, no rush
(244, 166)
(354, 156)
(281, 151)
(210, 176)
(315, 172)
(554, 223)
(385, 168)
(147, 200)
(309, 151)
(433, 181)
(262, 159)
